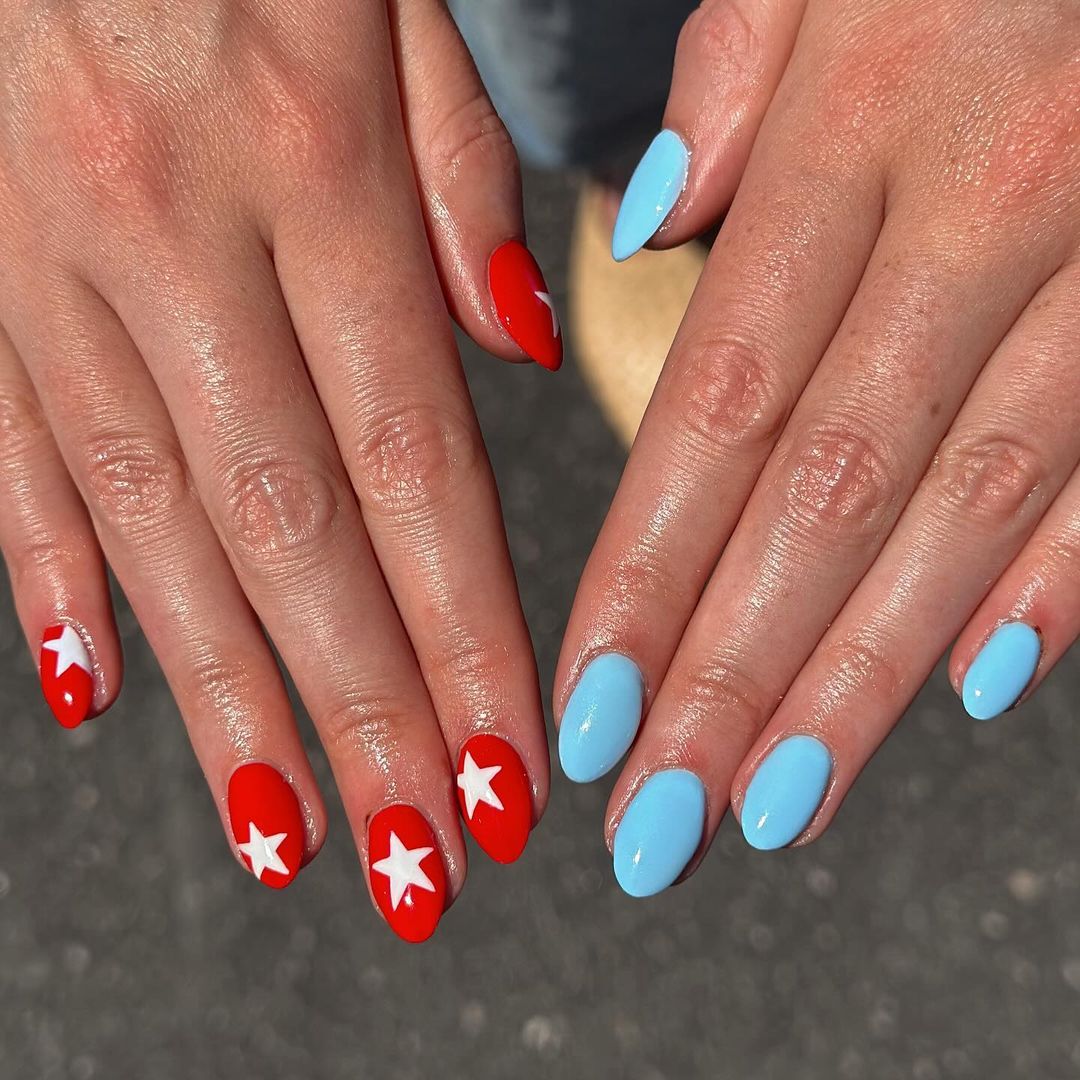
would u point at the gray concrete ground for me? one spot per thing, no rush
(933, 933)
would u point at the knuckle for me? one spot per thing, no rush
(413, 458)
(725, 35)
(839, 481)
(731, 397)
(858, 668)
(135, 480)
(470, 137)
(467, 666)
(115, 141)
(638, 574)
(989, 479)
(22, 422)
(277, 508)
(721, 695)
(303, 122)
(364, 723)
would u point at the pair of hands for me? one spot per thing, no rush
(230, 247)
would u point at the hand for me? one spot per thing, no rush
(227, 366)
(865, 438)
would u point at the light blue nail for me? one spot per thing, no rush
(659, 832)
(785, 792)
(657, 182)
(601, 717)
(998, 675)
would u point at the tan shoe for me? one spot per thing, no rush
(623, 316)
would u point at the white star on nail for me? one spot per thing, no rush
(545, 298)
(476, 783)
(262, 851)
(70, 651)
(402, 867)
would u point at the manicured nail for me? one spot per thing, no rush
(523, 303)
(494, 796)
(657, 182)
(659, 832)
(407, 877)
(785, 792)
(67, 675)
(601, 717)
(267, 824)
(1001, 671)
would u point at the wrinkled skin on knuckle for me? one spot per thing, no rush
(471, 139)
(725, 37)
(278, 510)
(412, 458)
(729, 395)
(135, 481)
(368, 723)
(720, 701)
(838, 482)
(992, 480)
(22, 423)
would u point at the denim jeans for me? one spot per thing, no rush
(577, 82)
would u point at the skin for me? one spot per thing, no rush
(865, 438)
(230, 248)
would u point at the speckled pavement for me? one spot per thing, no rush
(933, 933)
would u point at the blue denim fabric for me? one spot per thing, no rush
(577, 82)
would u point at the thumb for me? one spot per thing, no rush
(470, 188)
(728, 63)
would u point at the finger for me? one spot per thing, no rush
(57, 571)
(760, 320)
(729, 60)
(830, 495)
(470, 186)
(1002, 463)
(399, 406)
(121, 448)
(1029, 620)
(222, 351)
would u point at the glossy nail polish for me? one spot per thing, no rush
(601, 718)
(659, 832)
(523, 303)
(494, 796)
(785, 792)
(407, 876)
(67, 675)
(999, 674)
(266, 822)
(655, 186)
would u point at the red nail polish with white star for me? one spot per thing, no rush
(494, 795)
(67, 675)
(407, 876)
(267, 824)
(523, 303)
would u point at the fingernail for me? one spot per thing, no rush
(785, 792)
(657, 182)
(494, 796)
(407, 877)
(523, 303)
(267, 824)
(659, 832)
(1001, 671)
(601, 717)
(67, 675)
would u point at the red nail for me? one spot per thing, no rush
(267, 824)
(67, 676)
(493, 792)
(523, 303)
(407, 877)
